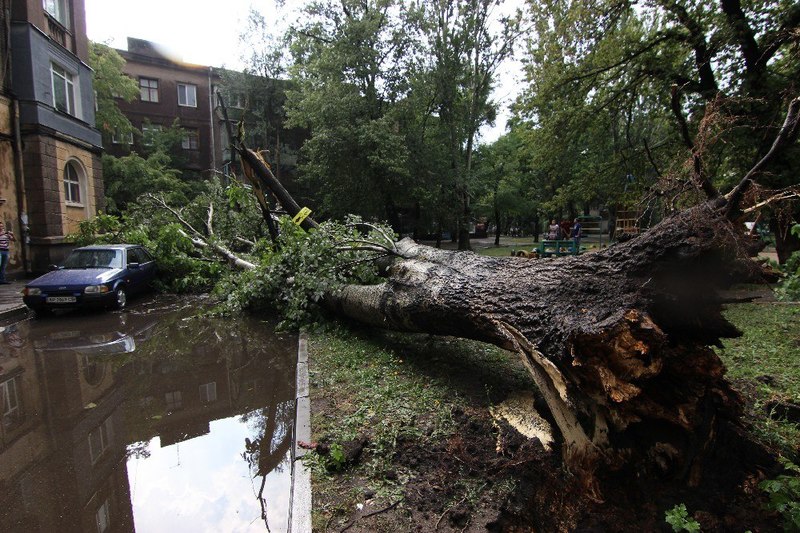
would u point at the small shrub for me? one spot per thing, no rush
(784, 495)
(336, 458)
(678, 517)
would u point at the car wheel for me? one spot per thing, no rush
(120, 298)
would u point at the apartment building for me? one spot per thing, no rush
(50, 171)
(171, 89)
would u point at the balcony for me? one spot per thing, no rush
(58, 32)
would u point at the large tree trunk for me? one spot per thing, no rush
(617, 341)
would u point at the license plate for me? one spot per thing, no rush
(61, 299)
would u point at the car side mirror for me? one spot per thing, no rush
(133, 265)
(53, 267)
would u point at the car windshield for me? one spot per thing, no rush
(94, 259)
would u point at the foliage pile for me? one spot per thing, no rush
(291, 275)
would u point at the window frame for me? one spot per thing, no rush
(59, 11)
(116, 138)
(208, 392)
(151, 90)
(68, 79)
(104, 434)
(148, 130)
(10, 403)
(174, 400)
(73, 185)
(185, 86)
(190, 139)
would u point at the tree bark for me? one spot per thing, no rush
(617, 341)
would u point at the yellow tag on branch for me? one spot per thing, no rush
(301, 216)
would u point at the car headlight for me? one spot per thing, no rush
(96, 289)
(31, 291)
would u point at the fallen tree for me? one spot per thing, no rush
(618, 341)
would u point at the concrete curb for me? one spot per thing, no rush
(300, 498)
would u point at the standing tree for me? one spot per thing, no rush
(110, 83)
(467, 50)
(505, 195)
(667, 62)
(350, 62)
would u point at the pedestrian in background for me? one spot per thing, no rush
(576, 234)
(6, 237)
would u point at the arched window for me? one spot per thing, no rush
(72, 183)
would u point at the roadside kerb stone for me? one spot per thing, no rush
(300, 506)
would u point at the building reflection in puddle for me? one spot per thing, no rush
(147, 420)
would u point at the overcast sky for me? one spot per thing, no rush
(206, 32)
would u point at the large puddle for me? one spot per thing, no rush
(153, 419)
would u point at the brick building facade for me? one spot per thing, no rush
(49, 100)
(170, 89)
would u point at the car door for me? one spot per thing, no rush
(147, 265)
(137, 276)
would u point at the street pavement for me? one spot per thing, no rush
(11, 300)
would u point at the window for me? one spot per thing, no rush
(145, 255)
(122, 138)
(72, 184)
(148, 132)
(63, 89)
(100, 439)
(58, 10)
(208, 392)
(102, 517)
(236, 100)
(187, 95)
(138, 255)
(191, 140)
(148, 90)
(174, 400)
(9, 396)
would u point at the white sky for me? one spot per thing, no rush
(206, 32)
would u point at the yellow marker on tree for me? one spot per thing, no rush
(301, 216)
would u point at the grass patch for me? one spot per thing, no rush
(764, 365)
(396, 392)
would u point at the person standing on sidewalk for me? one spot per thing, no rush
(5, 241)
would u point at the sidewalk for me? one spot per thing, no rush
(11, 300)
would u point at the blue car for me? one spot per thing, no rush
(93, 277)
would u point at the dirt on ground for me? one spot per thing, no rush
(486, 476)
(543, 497)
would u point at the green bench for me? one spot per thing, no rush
(558, 248)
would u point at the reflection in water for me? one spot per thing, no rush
(148, 420)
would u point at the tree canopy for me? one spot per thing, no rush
(110, 83)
